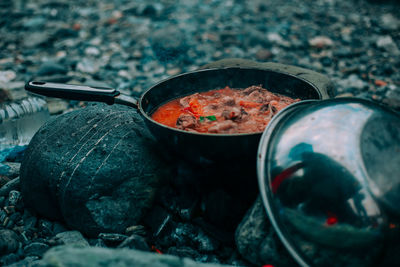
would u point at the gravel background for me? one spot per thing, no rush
(131, 45)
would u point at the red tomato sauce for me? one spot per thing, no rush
(223, 111)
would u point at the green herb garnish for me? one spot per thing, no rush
(211, 118)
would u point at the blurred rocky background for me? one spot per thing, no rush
(130, 45)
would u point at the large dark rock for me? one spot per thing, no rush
(96, 168)
(257, 241)
(92, 256)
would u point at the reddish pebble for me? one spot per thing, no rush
(77, 26)
(380, 83)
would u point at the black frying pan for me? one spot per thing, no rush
(197, 147)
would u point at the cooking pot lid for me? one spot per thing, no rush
(328, 177)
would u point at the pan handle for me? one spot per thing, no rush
(81, 92)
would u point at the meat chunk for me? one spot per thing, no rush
(230, 113)
(223, 126)
(184, 101)
(186, 121)
(228, 101)
(256, 96)
(252, 89)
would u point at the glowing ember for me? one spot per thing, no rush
(153, 248)
(331, 220)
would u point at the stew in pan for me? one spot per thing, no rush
(223, 111)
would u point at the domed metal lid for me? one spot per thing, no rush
(328, 177)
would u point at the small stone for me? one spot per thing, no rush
(46, 227)
(92, 51)
(11, 185)
(7, 76)
(35, 249)
(124, 74)
(61, 54)
(389, 22)
(326, 61)
(137, 54)
(51, 68)
(35, 23)
(112, 239)
(149, 10)
(320, 42)
(88, 66)
(56, 106)
(135, 242)
(174, 71)
(387, 43)
(72, 238)
(277, 39)
(263, 54)
(26, 262)
(15, 90)
(36, 39)
(9, 209)
(9, 241)
(65, 33)
(343, 52)
(380, 83)
(117, 64)
(135, 229)
(393, 98)
(30, 223)
(14, 197)
(353, 81)
(186, 233)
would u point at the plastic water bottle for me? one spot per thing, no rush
(20, 120)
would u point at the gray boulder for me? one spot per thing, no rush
(72, 238)
(94, 256)
(96, 168)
